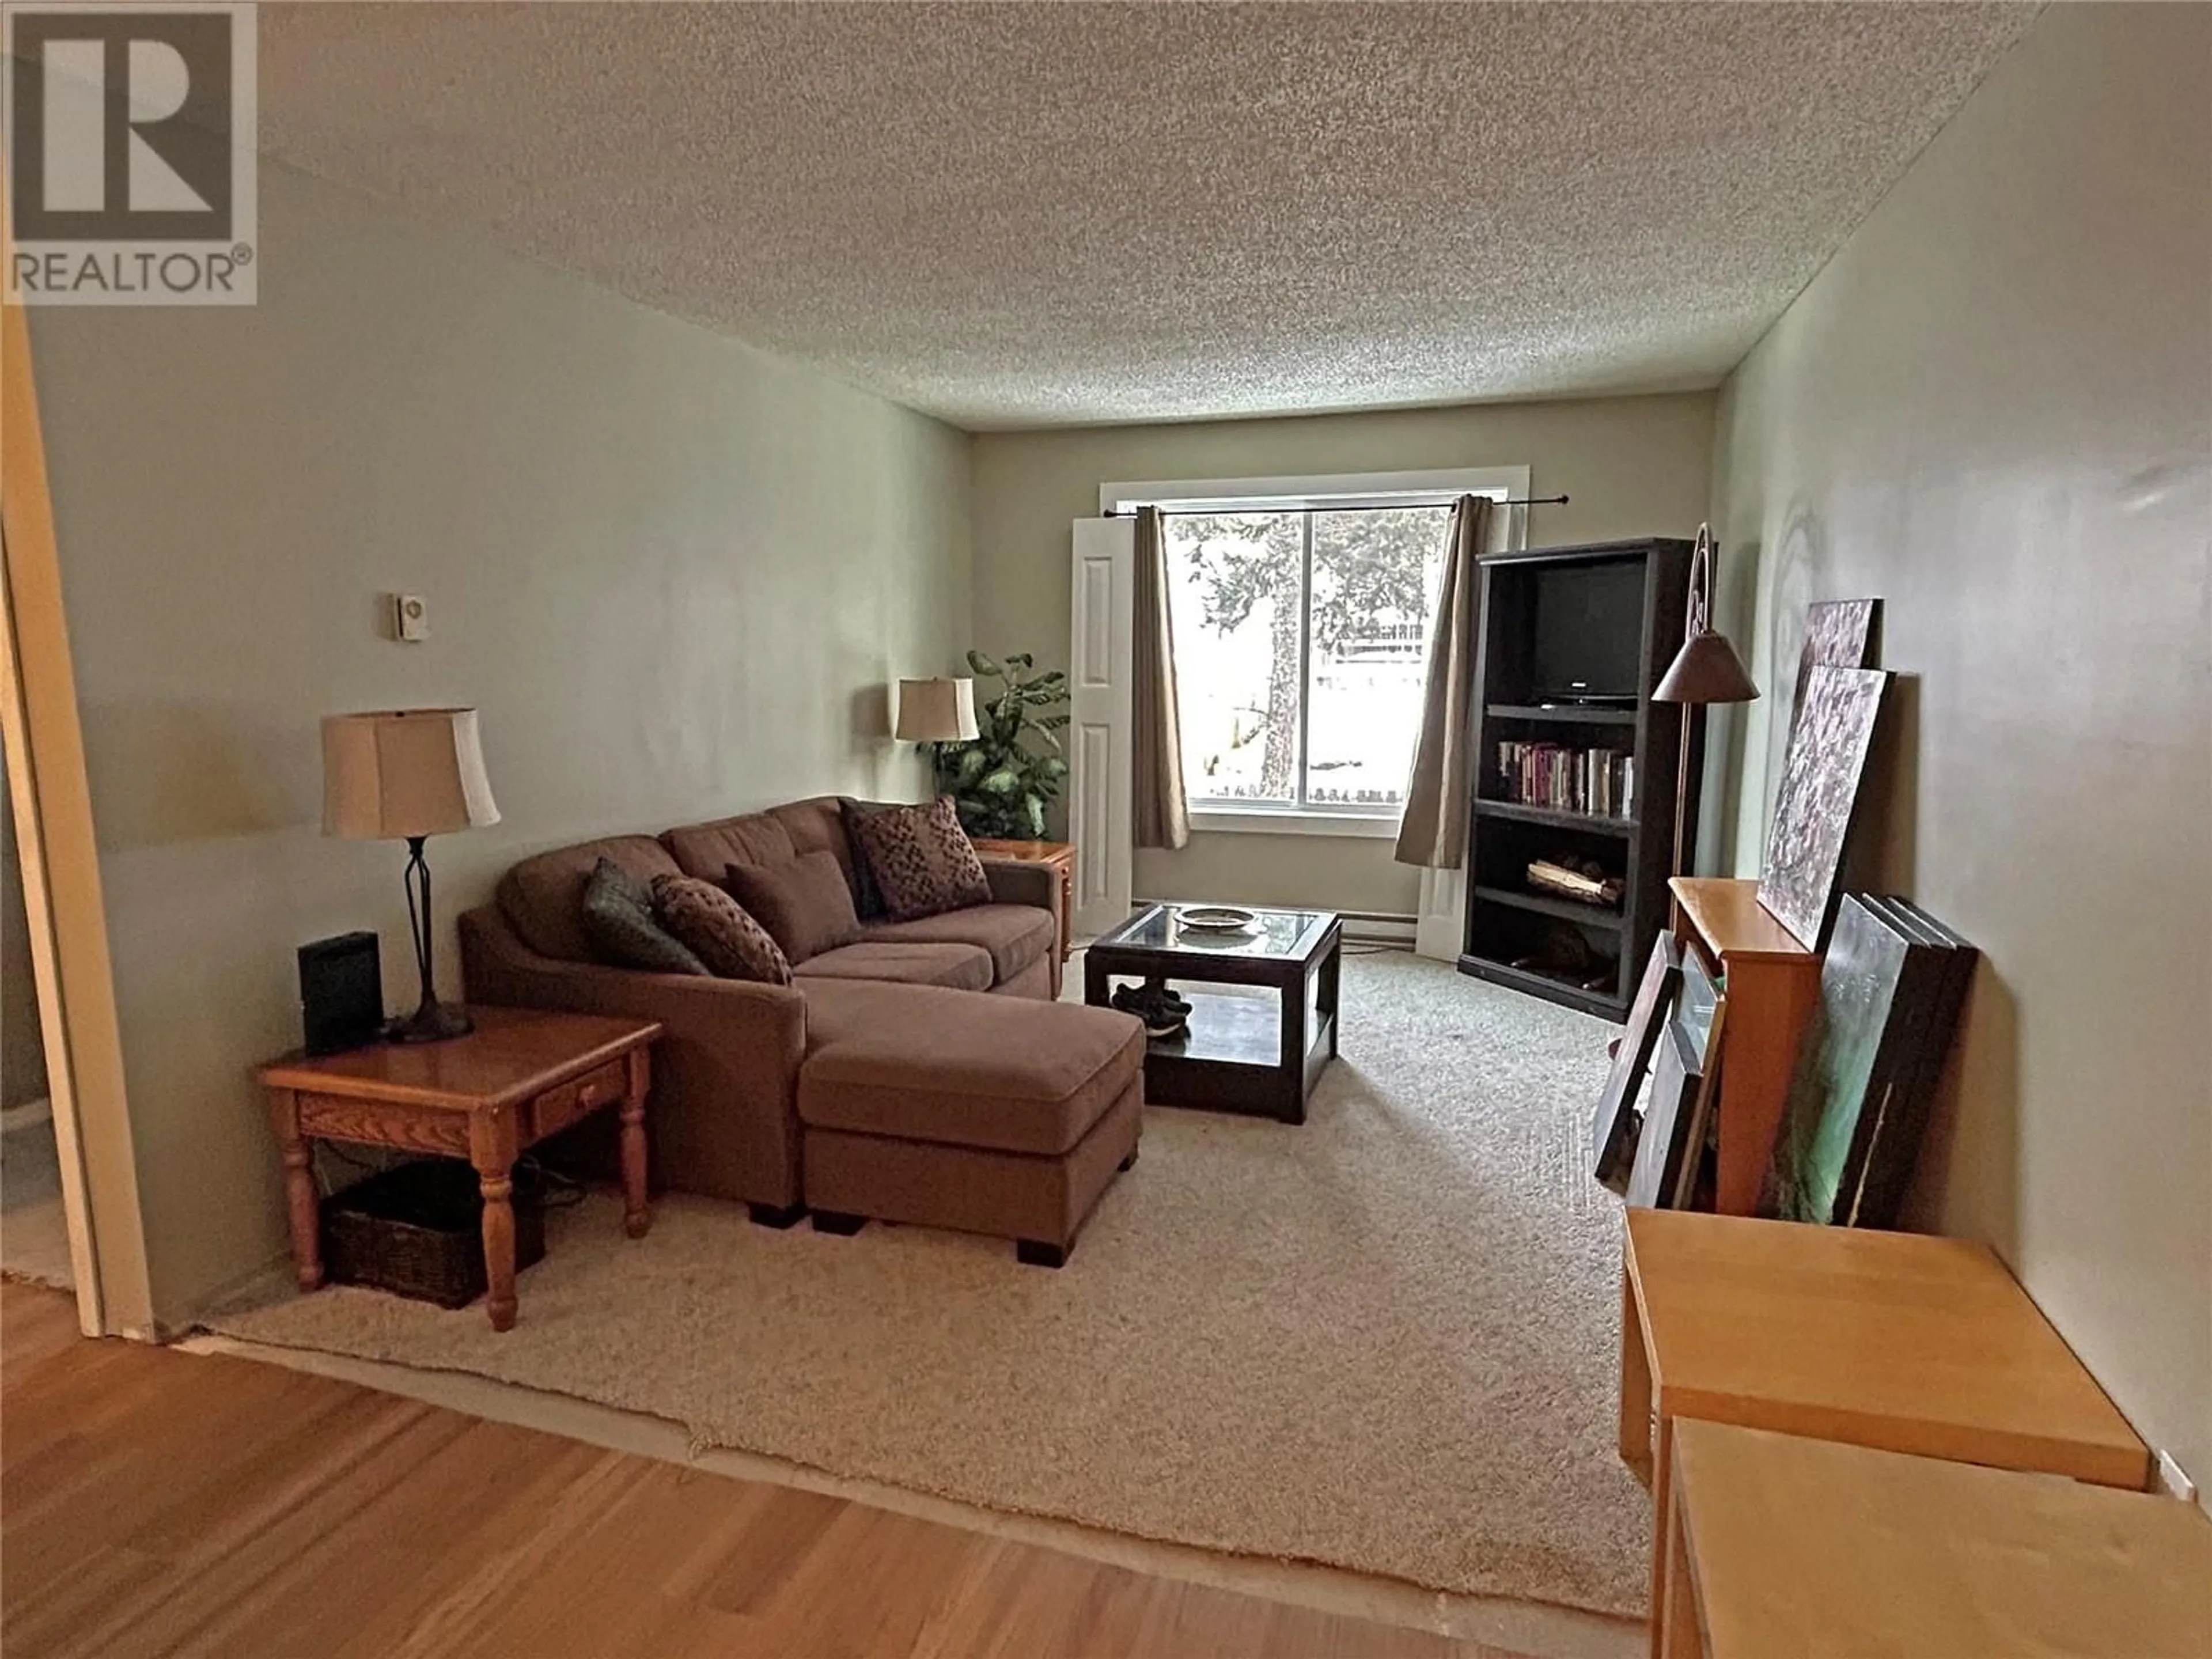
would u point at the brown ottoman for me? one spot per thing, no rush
(989, 1114)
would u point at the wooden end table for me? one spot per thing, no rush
(520, 1076)
(1786, 1546)
(1060, 856)
(1898, 1341)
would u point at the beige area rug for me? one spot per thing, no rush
(1385, 1340)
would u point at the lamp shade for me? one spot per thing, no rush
(936, 711)
(403, 772)
(1706, 670)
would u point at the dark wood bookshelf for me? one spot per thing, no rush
(1544, 904)
(1567, 712)
(1557, 818)
(1610, 616)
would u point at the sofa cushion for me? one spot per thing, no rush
(996, 1071)
(542, 898)
(625, 932)
(1015, 935)
(957, 967)
(715, 927)
(922, 860)
(775, 837)
(805, 904)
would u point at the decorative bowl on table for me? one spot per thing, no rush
(1223, 919)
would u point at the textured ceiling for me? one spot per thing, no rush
(1040, 214)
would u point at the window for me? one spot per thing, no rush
(1302, 609)
(1301, 652)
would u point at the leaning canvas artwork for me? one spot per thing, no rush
(1840, 633)
(1828, 747)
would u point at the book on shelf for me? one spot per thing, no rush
(1598, 781)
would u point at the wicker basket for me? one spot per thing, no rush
(416, 1229)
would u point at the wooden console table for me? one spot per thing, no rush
(1773, 984)
(1899, 1342)
(519, 1077)
(1060, 855)
(1785, 1548)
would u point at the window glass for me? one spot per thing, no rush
(1375, 580)
(1234, 583)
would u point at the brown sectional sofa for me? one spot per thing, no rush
(883, 1081)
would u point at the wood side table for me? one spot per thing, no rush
(520, 1076)
(1060, 855)
(1786, 1548)
(1898, 1341)
(1773, 983)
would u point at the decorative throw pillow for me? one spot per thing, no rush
(922, 860)
(715, 926)
(618, 920)
(867, 898)
(804, 903)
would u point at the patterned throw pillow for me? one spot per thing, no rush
(618, 920)
(715, 925)
(804, 903)
(868, 898)
(922, 860)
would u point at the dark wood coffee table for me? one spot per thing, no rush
(1244, 1051)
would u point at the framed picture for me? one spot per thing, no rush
(1841, 633)
(1892, 988)
(1612, 1125)
(1665, 1158)
(1819, 799)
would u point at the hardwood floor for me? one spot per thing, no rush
(156, 1503)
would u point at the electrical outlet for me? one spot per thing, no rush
(410, 618)
(2174, 1480)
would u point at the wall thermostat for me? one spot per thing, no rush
(410, 617)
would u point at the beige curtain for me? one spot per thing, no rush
(1157, 805)
(1433, 831)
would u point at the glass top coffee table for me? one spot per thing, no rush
(1257, 1043)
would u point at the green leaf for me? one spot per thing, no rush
(983, 665)
(1002, 781)
(1053, 767)
(1053, 722)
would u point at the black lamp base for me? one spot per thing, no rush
(433, 1022)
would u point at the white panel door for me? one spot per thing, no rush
(1099, 669)
(1440, 929)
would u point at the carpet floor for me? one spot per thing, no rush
(1384, 1341)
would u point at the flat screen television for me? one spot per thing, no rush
(1585, 641)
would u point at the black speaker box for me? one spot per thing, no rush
(340, 993)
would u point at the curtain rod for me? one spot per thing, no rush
(1356, 507)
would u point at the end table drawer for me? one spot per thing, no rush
(557, 1107)
(374, 1123)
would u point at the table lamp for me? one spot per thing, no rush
(937, 711)
(407, 775)
(1706, 670)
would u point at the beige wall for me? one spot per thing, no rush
(1994, 410)
(673, 573)
(23, 1049)
(1634, 467)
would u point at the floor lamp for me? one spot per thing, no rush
(1705, 670)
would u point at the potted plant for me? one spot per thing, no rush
(1003, 779)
